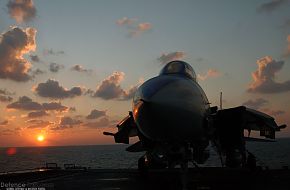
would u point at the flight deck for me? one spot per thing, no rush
(196, 178)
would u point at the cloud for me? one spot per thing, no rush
(3, 123)
(102, 122)
(14, 44)
(129, 94)
(211, 73)
(5, 96)
(80, 69)
(34, 58)
(7, 132)
(26, 103)
(166, 58)
(37, 114)
(67, 122)
(21, 10)
(110, 87)
(264, 77)
(54, 67)
(134, 28)
(5, 92)
(140, 28)
(37, 72)
(72, 109)
(271, 6)
(256, 104)
(54, 106)
(52, 89)
(37, 123)
(52, 52)
(126, 21)
(95, 114)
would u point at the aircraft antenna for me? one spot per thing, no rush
(221, 100)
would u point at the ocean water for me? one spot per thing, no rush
(273, 155)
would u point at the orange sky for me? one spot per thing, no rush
(69, 69)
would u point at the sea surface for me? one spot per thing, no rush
(273, 155)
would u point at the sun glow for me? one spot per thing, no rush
(40, 138)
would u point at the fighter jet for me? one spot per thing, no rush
(175, 123)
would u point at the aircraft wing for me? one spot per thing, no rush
(126, 129)
(249, 119)
(259, 121)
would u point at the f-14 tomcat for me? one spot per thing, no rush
(174, 121)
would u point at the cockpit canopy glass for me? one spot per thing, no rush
(178, 68)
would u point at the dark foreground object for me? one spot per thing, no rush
(202, 179)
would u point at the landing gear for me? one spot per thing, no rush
(142, 166)
(251, 161)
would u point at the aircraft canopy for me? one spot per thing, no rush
(178, 68)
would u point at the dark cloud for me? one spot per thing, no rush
(256, 104)
(37, 114)
(52, 89)
(52, 52)
(72, 109)
(21, 10)
(89, 92)
(134, 28)
(7, 132)
(95, 114)
(37, 72)
(54, 106)
(37, 123)
(67, 122)
(264, 77)
(165, 58)
(102, 122)
(110, 87)
(271, 6)
(5, 96)
(13, 45)
(34, 58)
(80, 69)
(3, 123)
(25, 103)
(54, 67)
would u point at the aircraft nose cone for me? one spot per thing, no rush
(169, 109)
(151, 87)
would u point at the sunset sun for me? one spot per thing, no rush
(40, 138)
